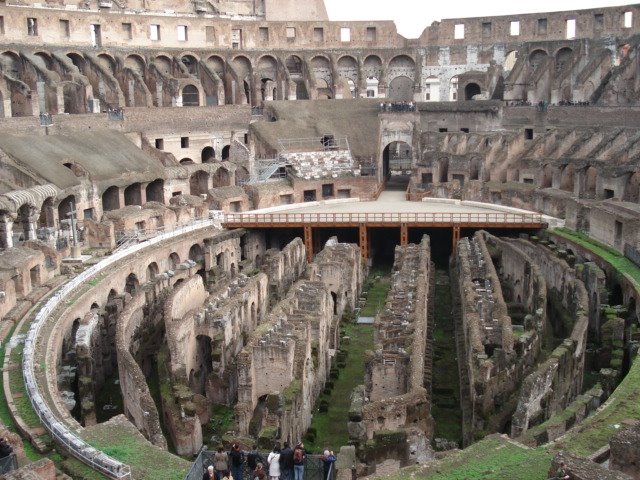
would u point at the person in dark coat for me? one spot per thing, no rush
(286, 462)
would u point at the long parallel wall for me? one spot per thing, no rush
(559, 379)
(396, 396)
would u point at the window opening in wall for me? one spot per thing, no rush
(427, 178)
(542, 26)
(598, 21)
(443, 130)
(286, 199)
(344, 193)
(1, 25)
(291, 33)
(345, 34)
(64, 28)
(514, 29)
(528, 133)
(184, 142)
(608, 193)
(327, 190)
(618, 232)
(236, 38)
(127, 31)
(528, 181)
(246, 138)
(32, 27)
(89, 214)
(571, 28)
(459, 178)
(154, 32)
(627, 20)
(210, 33)
(372, 34)
(464, 129)
(96, 35)
(318, 34)
(182, 33)
(309, 195)
(235, 206)
(160, 143)
(264, 34)
(486, 29)
(458, 31)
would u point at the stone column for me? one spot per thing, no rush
(6, 231)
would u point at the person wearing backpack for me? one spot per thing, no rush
(237, 461)
(298, 461)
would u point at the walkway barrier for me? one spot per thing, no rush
(60, 432)
(313, 467)
(390, 218)
(8, 463)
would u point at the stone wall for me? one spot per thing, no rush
(558, 380)
(396, 397)
(283, 268)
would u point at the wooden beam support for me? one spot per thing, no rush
(455, 239)
(364, 241)
(308, 242)
(404, 234)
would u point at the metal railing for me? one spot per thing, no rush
(313, 144)
(632, 253)
(60, 433)
(313, 467)
(8, 463)
(391, 218)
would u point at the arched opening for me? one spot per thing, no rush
(173, 261)
(133, 194)
(547, 176)
(199, 183)
(152, 271)
(401, 89)
(186, 161)
(191, 64)
(566, 179)
(509, 62)
(190, 96)
(590, 178)
(471, 90)
(163, 64)
(208, 155)
(132, 284)
(242, 175)
(226, 151)
(432, 89)
(564, 59)
(155, 191)
(204, 363)
(65, 207)
(443, 170)
(221, 178)
(474, 168)
(615, 296)
(111, 199)
(72, 96)
(334, 301)
(196, 254)
(536, 58)
(453, 89)
(46, 219)
(632, 193)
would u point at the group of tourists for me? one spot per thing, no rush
(284, 463)
(396, 107)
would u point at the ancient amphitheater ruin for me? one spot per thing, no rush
(235, 221)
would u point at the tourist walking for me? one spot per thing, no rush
(237, 461)
(220, 462)
(274, 463)
(298, 461)
(328, 460)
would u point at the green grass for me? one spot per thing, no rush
(331, 427)
(122, 441)
(615, 258)
(493, 457)
(594, 432)
(376, 297)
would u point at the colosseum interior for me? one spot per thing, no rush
(235, 221)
